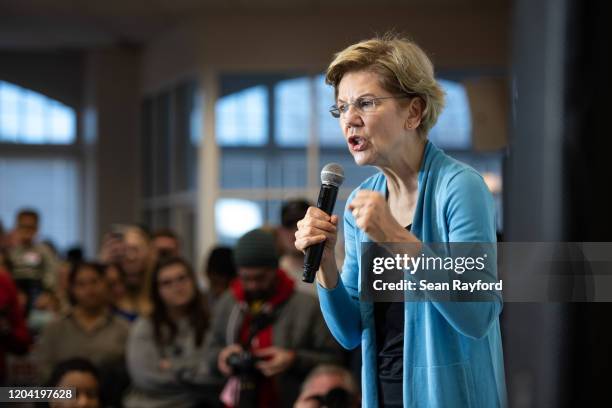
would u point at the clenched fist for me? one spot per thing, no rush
(373, 215)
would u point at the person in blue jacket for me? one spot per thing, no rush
(415, 354)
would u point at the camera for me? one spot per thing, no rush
(243, 363)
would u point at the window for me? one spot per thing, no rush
(453, 129)
(189, 132)
(47, 181)
(262, 127)
(48, 185)
(171, 136)
(242, 118)
(229, 226)
(171, 132)
(292, 104)
(29, 117)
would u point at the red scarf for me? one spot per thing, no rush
(268, 393)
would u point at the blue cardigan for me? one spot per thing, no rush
(452, 351)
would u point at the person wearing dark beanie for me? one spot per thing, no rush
(262, 317)
(256, 248)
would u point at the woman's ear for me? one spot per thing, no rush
(415, 113)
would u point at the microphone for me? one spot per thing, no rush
(332, 177)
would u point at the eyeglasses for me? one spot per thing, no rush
(363, 104)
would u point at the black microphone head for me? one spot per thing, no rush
(333, 174)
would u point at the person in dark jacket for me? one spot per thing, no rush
(265, 335)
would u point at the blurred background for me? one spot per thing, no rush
(203, 117)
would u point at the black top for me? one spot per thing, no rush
(389, 321)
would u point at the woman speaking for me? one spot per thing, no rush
(415, 354)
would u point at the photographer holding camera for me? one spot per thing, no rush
(265, 335)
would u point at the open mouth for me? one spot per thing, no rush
(357, 143)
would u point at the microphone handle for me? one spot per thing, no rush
(312, 257)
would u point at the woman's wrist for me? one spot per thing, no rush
(327, 275)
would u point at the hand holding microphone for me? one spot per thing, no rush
(316, 234)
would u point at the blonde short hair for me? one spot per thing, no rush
(403, 67)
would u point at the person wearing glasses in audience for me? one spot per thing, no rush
(415, 354)
(165, 350)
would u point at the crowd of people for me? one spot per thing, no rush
(136, 325)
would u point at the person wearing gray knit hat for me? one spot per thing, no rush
(256, 259)
(263, 316)
(256, 248)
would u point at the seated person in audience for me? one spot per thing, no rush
(34, 264)
(81, 375)
(292, 260)
(130, 246)
(265, 335)
(14, 336)
(220, 271)
(73, 255)
(329, 386)
(166, 349)
(90, 330)
(46, 309)
(121, 305)
(138, 261)
(166, 244)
